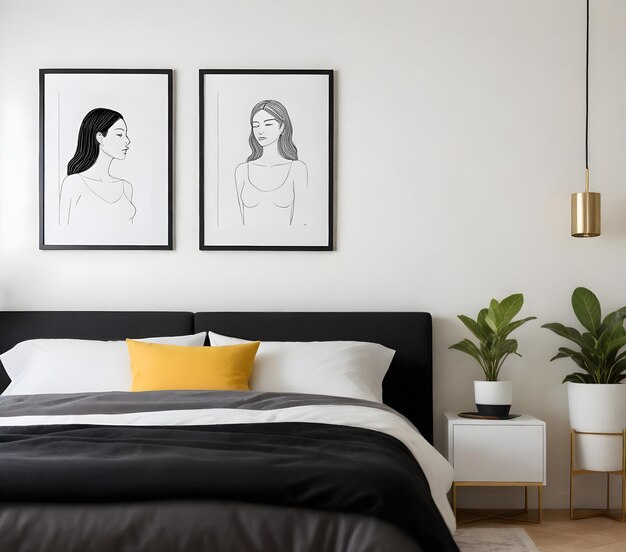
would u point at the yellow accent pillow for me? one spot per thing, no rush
(159, 367)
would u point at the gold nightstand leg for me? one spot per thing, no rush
(624, 497)
(571, 474)
(526, 499)
(454, 498)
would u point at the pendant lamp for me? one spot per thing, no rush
(586, 205)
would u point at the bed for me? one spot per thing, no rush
(225, 470)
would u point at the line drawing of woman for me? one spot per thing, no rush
(272, 177)
(90, 195)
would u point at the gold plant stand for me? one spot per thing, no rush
(573, 472)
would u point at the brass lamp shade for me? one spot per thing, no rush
(585, 214)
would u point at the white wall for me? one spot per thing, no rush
(460, 135)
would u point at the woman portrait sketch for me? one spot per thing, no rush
(90, 195)
(272, 181)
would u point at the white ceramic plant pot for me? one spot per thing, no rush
(599, 408)
(493, 398)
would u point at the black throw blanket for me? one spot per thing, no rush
(315, 466)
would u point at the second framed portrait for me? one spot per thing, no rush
(266, 159)
(105, 158)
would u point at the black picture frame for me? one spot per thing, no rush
(150, 86)
(206, 122)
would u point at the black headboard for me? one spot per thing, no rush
(407, 387)
(16, 326)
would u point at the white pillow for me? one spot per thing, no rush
(75, 365)
(342, 368)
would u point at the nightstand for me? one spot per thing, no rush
(497, 453)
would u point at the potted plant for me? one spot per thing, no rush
(597, 401)
(492, 328)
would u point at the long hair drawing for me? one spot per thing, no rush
(286, 147)
(87, 148)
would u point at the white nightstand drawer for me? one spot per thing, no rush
(512, 453)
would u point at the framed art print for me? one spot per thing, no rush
(266, 159)
(105, 156)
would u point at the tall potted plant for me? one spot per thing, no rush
(597, 400)
(492, 328)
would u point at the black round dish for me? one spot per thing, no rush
(477, 416)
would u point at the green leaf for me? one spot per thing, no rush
(495, 313)
(616, 371)
(468, 347)
(564, 352)
(491, 322)
(472, 326)
(590, 343)
(568, 333)
(618, 331)
(514, 325)
(510, 306)
(614, 318)
(480, 319)
(578, 378)
(615, 345)
(610, 333)
(507, 347)
(576, 357)
(587, 309)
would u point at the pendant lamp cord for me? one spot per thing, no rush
(587, 97)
